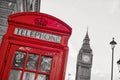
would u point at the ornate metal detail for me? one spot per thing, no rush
(40, 21)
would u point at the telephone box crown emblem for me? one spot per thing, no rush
(40, 21)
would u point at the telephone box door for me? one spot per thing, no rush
(25, 63)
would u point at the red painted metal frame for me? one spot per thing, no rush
(14, 48)
(42, 23)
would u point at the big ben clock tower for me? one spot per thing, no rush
(84, 60)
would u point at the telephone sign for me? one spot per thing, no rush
(37, 35)
(35, 47)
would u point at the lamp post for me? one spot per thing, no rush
(112, 43)
(118, 62)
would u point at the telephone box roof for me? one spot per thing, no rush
(40, 20)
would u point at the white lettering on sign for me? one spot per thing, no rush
(37, 35)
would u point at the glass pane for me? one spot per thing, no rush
(15, 75)
(42, 77)
(19, 59)
(28, 76)
(32, 61)
(45, 64)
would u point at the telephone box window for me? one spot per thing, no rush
(42, 77)
(32, 62)
(15, 75)
(30, 66)
(45, 64)
(19, 59)
(28, 76)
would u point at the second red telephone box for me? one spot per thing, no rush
(34, 48)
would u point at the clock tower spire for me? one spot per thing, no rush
(86, 42)
(84, 60)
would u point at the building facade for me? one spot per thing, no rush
(7, 7)
(84, 60)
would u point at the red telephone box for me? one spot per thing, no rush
(35, 47)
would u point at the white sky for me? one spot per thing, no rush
(103, 19)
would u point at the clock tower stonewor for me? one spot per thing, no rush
(84, 60)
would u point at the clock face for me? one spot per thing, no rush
(86, 58)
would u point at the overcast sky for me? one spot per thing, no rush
(103, 20)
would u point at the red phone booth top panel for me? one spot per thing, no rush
(41, 20)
